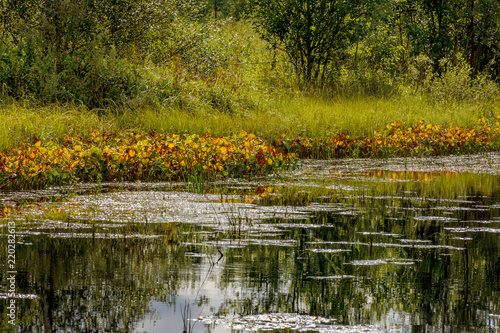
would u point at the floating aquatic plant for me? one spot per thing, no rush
(199, 160)
(137, 156)
(292, 322)
(397, 140)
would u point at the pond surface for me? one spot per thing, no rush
(394, 245)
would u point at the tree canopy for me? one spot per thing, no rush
(92, 50)
(311, 32)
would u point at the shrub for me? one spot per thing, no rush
(452, 83)
(91, 76)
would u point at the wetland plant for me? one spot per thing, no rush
(198, 182)
(237, 220)
(188, 325)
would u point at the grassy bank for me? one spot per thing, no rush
(296, 115)
(232, 83)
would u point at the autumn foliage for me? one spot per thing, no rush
(137, 156)
(397, 140)
(159, 157)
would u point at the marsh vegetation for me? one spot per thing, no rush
(187, 67)
(233, 165)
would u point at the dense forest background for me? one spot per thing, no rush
(176, 53)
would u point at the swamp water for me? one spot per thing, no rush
(393, 245)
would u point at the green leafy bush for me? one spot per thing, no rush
(451, 83)
(91, 76)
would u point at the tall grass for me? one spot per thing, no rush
(295, 115)
(20, 123)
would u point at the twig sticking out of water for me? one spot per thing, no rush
(186, 315)
(221, 255)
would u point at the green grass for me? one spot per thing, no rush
(19, 123)
(296, 115)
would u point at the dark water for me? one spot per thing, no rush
(399, 245)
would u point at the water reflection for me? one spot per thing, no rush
(338, 246)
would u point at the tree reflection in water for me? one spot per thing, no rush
(415, 252)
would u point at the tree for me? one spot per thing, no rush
(481, 35)
(311, 32)
(453, 29)
(73, 50)
(16, 16)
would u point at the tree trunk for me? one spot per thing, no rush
(470, 36)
